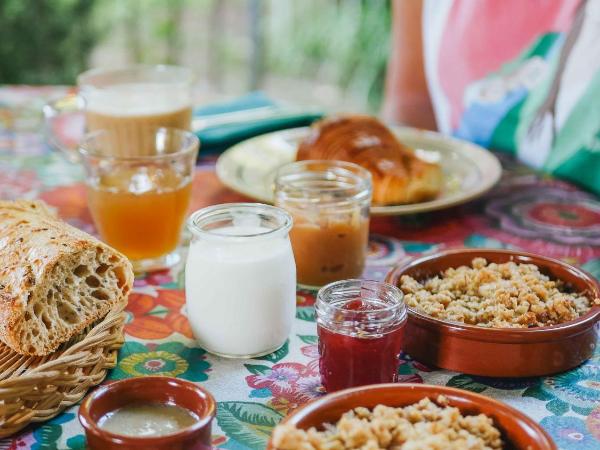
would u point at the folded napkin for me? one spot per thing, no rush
(222, 125)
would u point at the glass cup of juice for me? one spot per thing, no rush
(360, 324)
(329, 202)
(139, 203)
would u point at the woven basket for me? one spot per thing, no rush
(35, 389)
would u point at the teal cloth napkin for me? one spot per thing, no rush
(217, 138)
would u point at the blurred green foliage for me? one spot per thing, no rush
(45, 41)
(324, 42)
(346, 41)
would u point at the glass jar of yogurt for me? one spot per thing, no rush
(240, 279)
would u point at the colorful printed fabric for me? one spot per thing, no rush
(525, 211)
(522, 77)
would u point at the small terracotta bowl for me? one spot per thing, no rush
(518, 430)
(499, 352)
(148, 389)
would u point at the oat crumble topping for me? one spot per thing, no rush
(422, 426)
(507, 295)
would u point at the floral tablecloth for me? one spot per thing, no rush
(526, 211)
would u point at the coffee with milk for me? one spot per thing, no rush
(131, 112)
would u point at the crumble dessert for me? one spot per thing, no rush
(507, 295)
(421, 426)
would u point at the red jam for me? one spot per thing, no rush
(357, 359)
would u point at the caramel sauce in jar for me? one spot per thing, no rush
(329, 251)
(329, 202)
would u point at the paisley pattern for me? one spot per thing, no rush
(526, 211)
(552, 213)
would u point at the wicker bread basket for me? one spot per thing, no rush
(35, 389)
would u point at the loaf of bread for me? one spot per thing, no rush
(399, 176)
(55, 280)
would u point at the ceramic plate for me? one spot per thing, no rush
(469, 170)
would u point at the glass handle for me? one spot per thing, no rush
(65, 125)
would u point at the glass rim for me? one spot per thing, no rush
(289, 178)
(359, 283)
(193, 146)
(83, 79)
(193, 223)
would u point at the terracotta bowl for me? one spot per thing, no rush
(518, 430)
(499, 352)
(148, 389)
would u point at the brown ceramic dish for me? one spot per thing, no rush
(518, 430)
(499, 352)
(182, 393)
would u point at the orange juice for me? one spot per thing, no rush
(140, 210)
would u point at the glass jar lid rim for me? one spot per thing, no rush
(195, 225)
(400, 305)
(294, 176)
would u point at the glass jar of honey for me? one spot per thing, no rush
(329, 202)
(361, 328)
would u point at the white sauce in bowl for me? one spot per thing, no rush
(147, 420)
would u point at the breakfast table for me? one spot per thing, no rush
(526, 210)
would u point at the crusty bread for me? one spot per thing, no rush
(399, 176)
(54, 279)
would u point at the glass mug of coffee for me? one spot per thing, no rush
(129, 103)
(139, 203)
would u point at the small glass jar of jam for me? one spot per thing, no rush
(329, 202)
(361, 327)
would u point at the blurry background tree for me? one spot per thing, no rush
(45, 41)
(330, 53)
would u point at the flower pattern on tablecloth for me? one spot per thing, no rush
(593, 423)
(159, 278)
(305, 302)
(570, 432)
(16, 183)
(517, 215)
(287, 385)
(157, 316)
(409, 370)
(479, 384)
(172, 359)
(577, 390)
(384, 250)
(70, 203)
(247, 424)
(48, 435)
(547, 212)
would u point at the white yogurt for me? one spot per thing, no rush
(241, 289)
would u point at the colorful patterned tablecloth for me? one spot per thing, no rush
(526, 211)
